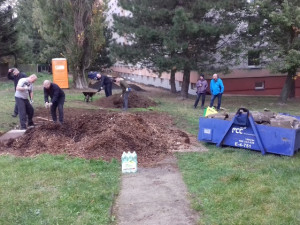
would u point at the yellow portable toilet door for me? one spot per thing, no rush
(60, 72)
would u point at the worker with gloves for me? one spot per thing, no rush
(23, 90)
(15, 75)
(125, 91)
(106, 82)
(57, 96)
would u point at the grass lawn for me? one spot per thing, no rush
(227, 186)
(53, 189)
(57, 190)
(236, 186)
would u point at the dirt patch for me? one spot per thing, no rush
(136, 87)
(100, 134)
(135, 100)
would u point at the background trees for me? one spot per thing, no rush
(175, 35)
(282, 22)
(73, 29)
(275, 29)
(8, 35)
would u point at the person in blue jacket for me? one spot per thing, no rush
(216, 90)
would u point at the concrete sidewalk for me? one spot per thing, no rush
(155, 196)
(12, 134)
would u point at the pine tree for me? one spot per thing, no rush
(174, 34)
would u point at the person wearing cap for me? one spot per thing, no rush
(15, 75)
(216, 90)
(23, 90)
(57, 96)
(125, 91)
(106, 82)
(201, 86)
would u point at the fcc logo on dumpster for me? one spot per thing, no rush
(238, 130)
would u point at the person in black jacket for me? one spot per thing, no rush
(106, 82)
(57, 96)
(15, 75)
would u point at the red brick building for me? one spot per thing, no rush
(257, 81)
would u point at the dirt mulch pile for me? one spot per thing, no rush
(102, 135)
(136, 87)
(135, 100)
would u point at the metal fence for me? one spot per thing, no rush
(28, 68)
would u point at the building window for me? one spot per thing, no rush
(193, 86)
(259, 85)
(253, 58)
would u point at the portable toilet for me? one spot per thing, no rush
(60, 72)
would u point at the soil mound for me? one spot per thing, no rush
(135, 100)
(136, 87)
(102, 135)
(96, 84)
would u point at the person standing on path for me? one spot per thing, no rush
(201, 86)
(24, 90)
(125, 91)
(57, 96)
(216, 90)
(15, 75)
(106, 82)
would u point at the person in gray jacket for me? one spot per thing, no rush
(201, 90)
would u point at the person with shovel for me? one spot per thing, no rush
(24, 90)
(125, 91)
(106, 82)
(15, 75)
(57, 96)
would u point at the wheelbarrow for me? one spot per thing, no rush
(88, 95)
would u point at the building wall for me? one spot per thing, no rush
(238, 82)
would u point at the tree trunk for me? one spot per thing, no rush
(79, 80)
(172, 81)
(288, 86)
(293, 90)
(185, 82)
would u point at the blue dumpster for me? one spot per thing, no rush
(243, 132)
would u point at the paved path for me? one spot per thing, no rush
(155, 196)
(12, 134)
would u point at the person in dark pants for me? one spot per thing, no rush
(125, 91)
(106, 82)
(216, 90)
(201, 90)
(57, 96)
(15, 75)
(23, 90)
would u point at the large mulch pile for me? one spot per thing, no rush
(102, 134)
(135, 100)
